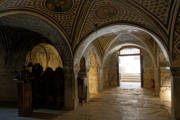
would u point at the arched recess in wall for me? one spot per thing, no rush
(46, 55)
(93, 76)
(42, 25)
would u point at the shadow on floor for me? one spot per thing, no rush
(41, 115)
(11, 113)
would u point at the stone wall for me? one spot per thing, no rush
(8, 87)
(165, 80)
(111, 71)
(148, 69)
(165, 86)
(93, 75)
(93, 67)
(13, 51)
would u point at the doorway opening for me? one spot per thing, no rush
(130, 74)
(47, 77)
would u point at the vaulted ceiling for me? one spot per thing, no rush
(79, 18)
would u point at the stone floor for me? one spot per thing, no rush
(128, 102)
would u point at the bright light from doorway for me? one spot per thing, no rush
(130, 66)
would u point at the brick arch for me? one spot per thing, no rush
(40, 24)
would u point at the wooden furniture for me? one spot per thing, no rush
(25, 98)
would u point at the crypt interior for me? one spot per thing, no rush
(90, 59)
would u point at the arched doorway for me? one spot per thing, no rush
(110, 64)
(40, 24)
(130, 67)
(93, 76)
(47, 76)
(114, 29)
(13, 47)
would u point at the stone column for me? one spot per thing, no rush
(157, 79)
(76, 71)
(87, 81)
(100, 75)
(68, 88)
(175, 92)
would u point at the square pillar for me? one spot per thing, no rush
(176, 92)
(68, 88)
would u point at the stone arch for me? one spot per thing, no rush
(37, 23)
(46, 55)
(131, 39)
(111, 51)
(93, 49)
(113, 29)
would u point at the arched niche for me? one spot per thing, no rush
(46, 55)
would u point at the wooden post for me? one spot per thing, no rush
(25, 98)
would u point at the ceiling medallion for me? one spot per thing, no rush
(59, 5)
(104, 12)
